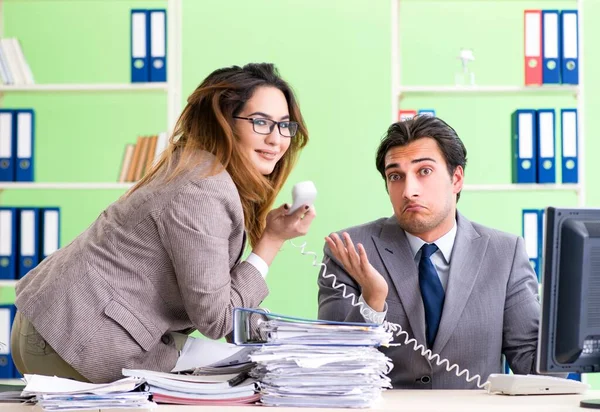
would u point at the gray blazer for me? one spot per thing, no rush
(166, 258)
(491, 306)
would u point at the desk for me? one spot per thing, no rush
(406, 401)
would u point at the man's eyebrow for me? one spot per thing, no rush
(287, 116)
(423, 159)
(419, 160)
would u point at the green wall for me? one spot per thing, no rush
(336, 54)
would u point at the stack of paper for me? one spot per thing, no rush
(319, 363)
(279, 331)
(199, 389)
(59, 394)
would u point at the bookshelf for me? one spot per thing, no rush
(115, 186)
(486, 89)
(171, 89)
(107, 87)
(64, 186)
(399, 91)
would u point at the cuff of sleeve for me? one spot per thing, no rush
(259, 264)
(372, 315)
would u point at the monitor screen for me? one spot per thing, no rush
(569, 337)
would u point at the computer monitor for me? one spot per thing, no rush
(569, 337)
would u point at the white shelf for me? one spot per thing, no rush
(7, 283)
(116, 186)
(98, 87)
(522, 187)
(65, 186)
(487, 89)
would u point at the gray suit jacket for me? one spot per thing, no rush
(166, 258)
(491, 306)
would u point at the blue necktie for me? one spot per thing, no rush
(431, 291)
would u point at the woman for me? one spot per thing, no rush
(165, 258)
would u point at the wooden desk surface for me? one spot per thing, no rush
(406, 401)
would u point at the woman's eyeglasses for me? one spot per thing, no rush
(264, 126)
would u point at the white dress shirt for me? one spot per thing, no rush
(259, 264)
(440, 259)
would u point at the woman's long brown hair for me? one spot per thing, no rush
(206, 125)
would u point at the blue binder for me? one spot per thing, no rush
(524, 127)
(7, 146)
(568, 131)
(7, 367)
(546, 143)
(8, 243)
(140, 55)
(50, 231)
(532, 224)
(427, 112)
(158, 45)
(569, 47)
(28, 239)
(551, 45)
(25, 137)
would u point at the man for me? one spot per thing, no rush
(462, 290)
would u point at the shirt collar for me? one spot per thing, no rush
(444, 244)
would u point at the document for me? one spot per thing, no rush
(198, 353)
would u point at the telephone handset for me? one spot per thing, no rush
(303, 193)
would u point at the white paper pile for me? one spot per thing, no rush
(199, 389)
(59, 394)
(321, 365)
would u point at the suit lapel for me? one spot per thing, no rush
(395, 252)
(467, 256)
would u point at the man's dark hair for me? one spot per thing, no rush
(404, 132)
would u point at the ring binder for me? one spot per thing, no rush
(256, 327)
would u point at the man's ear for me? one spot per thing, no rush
(458, 177)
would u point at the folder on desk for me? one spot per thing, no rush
(50, 231)
(140, 32)
(275, 329)
(550, 49)
(158, 45)
(7, 149)
(569, 47)
(7, 368)
(8, 243)
(28, 239)
(570, 164)
(406, 115)
(532, 233)
(25, 136)
(524, 142)
(546, 142)
(533, 47)
(427, 112)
